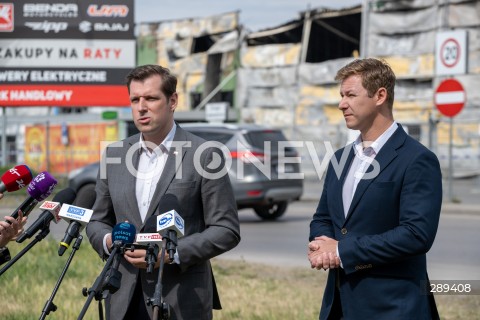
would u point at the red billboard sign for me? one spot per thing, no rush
(66, 53)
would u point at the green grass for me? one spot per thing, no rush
(247, 290)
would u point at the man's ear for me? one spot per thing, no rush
(381, 96)
(173, 101)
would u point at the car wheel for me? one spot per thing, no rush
(271, 211)
(85, 191)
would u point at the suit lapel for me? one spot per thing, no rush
(384, 158)
(131, 181)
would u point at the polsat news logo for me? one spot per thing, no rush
(6, 17)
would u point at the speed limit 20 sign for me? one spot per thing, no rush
(451, 53)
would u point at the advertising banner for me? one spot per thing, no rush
(83, 145)
(65, 52)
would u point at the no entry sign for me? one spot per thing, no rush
(450, 97)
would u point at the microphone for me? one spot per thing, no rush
(122, 234)
(77, 215)
(151, 241)
(170, 224)
(64, 196)
(39, 189)
(15, 178)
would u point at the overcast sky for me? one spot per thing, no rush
(254, 14)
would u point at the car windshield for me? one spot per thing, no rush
(213, 136)
(258, 138)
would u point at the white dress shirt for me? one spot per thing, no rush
(364, 155)
(363, 158)
(150, 168)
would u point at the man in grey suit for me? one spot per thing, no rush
(134, 175)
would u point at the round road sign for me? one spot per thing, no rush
(450, 97)
(450, 53)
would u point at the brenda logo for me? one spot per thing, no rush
(47, 10)
(6, 17)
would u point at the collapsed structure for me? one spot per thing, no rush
(284, 76)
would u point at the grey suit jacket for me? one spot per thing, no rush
(207, 206)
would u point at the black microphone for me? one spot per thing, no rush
(64, 196)
(78, 215)
(122, 234)
(168, 223)
(39, 189)
(151, 239)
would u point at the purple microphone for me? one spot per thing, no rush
(39, 189)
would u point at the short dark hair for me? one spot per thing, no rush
(375, 74)
(140, 73)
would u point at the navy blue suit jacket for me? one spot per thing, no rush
(383, 240)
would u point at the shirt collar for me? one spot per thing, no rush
(378, 143)
(164, 146)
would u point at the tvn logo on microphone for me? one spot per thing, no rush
(70, 212)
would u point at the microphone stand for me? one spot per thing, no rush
(161, 309)
(49, 305)
(39, 237)
(109, 279)
(151, 256)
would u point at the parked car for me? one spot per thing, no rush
(256, 184)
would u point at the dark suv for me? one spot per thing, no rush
(256, 169)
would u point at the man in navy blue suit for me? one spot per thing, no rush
(379, 211)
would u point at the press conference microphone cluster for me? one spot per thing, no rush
(77, 215)
(64, 196)
(15, 178)
(40, 188)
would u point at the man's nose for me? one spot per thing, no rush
(142, 104)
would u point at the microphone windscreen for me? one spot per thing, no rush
(124, 232)
(17, 177)
(42, 186)
(65, 196)
(150, 225)
(86, 199)
(168, 202)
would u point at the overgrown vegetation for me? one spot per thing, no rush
(247, 290)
